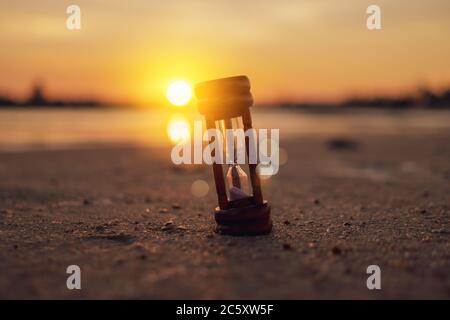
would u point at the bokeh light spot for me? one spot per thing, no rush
(199, 188)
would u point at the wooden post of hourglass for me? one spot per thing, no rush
(225, 99)
(256, 183)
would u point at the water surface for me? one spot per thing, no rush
(30, 129)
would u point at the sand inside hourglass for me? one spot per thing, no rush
(238, 182)
(237, 179)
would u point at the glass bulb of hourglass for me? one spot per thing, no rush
(238, 182)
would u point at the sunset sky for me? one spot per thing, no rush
(291, 50)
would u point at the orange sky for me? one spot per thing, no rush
(291, 50)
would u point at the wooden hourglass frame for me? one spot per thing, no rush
(226, 99)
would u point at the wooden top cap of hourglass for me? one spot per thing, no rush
(224, 98)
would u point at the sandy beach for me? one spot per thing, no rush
(127, 217)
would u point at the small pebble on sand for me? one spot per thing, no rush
(100, 228)
(176, 206)
(336, 250)
(170, 226)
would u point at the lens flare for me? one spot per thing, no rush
(178, 129)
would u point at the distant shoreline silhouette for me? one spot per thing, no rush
(424, 99)
(39, 99)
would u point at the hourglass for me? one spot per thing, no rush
(225, 103)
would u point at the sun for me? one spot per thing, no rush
(179, 92)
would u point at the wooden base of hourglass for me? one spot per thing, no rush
(244, 218)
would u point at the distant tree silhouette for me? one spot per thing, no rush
(430, 99)
(37, 97)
